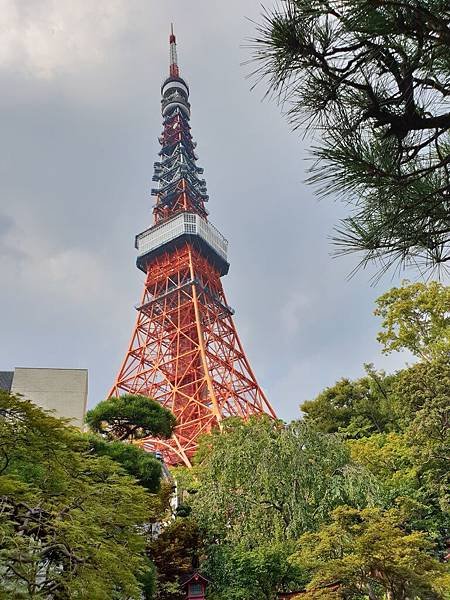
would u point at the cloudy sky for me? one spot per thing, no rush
(80, 119)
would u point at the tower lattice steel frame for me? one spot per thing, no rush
(184, 351)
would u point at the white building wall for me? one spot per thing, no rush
(61, 390)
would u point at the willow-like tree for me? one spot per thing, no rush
(262, 480)
(374, 79)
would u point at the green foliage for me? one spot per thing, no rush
(148, 582)
(412, 465)
(370, 554)
(426, 388)
(261, 478)
(131, 417)
(421, 389)
(360, 485)
(135, 461)
(416, 317)
(257, 574)
(68, 519)
(373, 78)
(175, 553)
(390, 458)
(321, 594)
(354, 408)
(187, 479)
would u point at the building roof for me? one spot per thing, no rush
(6, 379)
(196, 576)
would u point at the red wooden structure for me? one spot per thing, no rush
(195, 586)
(185, 351)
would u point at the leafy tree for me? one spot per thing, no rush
(426, 389)
(127, 419)
(320, 594)
(355, 408)
(370, 554)
(69, 520)
(131, 417)
(175, 553)
(412, 465)
(374, 78)
(257, 574)
(390, 458)
(416, 317)
(262, 479)
(420, 388)
(136, 462)
(402, 477)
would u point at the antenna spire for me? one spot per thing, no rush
(173, 69)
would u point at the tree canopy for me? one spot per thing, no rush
(175, 553)
(259, 485)
(416, 317)
(131, 417)
(261, 476)
(354, 408)
(252, 574)
(350, 502)
(136, 462)
(371, 556)
(126, 419)
(69, 520)
(408, 453)
(374, 79)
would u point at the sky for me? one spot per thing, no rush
(80, 118)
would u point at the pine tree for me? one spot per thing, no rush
(374, 79)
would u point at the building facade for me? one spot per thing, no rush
(63, 391)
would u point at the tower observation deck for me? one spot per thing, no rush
(184, 350)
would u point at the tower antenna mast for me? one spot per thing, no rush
(174, 70)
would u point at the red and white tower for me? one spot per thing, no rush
(184, 351)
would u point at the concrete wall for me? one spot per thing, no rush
(61, 390)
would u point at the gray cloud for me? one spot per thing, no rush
(80, 119)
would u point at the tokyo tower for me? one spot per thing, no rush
(184, 351)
